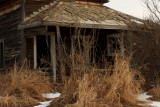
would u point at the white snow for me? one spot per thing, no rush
(51, 95)
(155, 104)
(44, 104)
(48, 95)
(144, 97)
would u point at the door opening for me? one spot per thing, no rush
(30, 53)
(43, 51)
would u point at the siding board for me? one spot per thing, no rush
(12, 36)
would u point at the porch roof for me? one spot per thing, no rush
(79, 14)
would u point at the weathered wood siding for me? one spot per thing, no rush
(12, 36)
(8, 4)
(11, 15)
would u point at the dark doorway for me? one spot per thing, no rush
(43, 51)
(30, 52)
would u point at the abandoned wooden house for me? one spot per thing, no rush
(35, 29)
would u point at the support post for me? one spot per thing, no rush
(23, 2)
(72, 51)
(59, 49)
(59, 44)
(122, 45)
(53, 56)
(35, 52)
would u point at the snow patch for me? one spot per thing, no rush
(48, 95)
(144, 97)
(44, 104)
(51, 95)
(155, 104)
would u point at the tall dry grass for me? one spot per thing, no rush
(103, 89)
(89, 86)
(155, 93)
(119, 89)
(22, 87)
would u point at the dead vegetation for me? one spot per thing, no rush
(86, 85)
(155, 93)
(22, 87)
(96, 89)
(117, 85)
(118, 89)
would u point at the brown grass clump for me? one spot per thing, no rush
(118, 89)
(103, 89)
(22, 87)
(155, 93)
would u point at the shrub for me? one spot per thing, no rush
(115, 88)
(22, 87)
(155, 93)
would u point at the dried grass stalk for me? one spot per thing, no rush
(22, 87)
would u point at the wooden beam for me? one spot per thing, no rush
(122, 45)
(23, 2)
(35, 52)
(59, 48)
(10, 9)
(72, 51)
(34, 24)
(80, 25)
(84, 25)
(58, 40)
(53, 56)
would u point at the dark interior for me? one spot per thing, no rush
(1, 55)
(30, 52)
(43, 51)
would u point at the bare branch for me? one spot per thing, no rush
(154, 8)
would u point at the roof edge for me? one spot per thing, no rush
(34, 24)
(83, 25)
(80, 25)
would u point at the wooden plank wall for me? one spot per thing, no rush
(9, 4)
(33, 5)
(11, 35)
(14, 45)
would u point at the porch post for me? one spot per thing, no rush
(35, 52)
(59, 49)
(72, 51)
(122, 45)
(59, 44)
(53, 56)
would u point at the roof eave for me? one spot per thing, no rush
(80, 25)
(30, 25)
